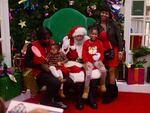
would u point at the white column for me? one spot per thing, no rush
(5, 31)
(127, 29)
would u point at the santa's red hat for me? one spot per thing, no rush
(78, 30)
(68, 41)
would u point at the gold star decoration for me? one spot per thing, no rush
(22, 23)
(46, 7)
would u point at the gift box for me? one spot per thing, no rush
(148, 75)
(135, 75)
(29, 82)
(10, 70)
(18, 63)
(10, 89)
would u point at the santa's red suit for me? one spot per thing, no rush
(72, 47)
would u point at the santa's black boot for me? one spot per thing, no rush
(91, 98)
(79, 91)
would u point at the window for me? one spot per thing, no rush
(5, 49)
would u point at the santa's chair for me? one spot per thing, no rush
(64, 20)
(61, 23)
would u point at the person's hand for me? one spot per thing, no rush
(60, 63)
(39, 110)
(66, 42)
(99, 64)
(45, 67)
(88, 66)
(96, 57)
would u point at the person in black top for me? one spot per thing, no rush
(40, 67)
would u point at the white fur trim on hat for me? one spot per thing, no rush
(96, 74)
(80, 31)
(77, 77)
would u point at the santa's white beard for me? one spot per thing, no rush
(78, 46)
(78, 43)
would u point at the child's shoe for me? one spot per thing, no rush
(61, 94)
(103, 88)
(85, 93)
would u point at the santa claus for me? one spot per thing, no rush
(72, 46)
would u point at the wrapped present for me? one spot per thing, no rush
(135, 75)
(19, 62)
(10, 89)
(10, 70)
(29, 81)
(148, 75)
(139, 75)
(130, 76)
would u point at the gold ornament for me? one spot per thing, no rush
(71, 2)
(22, 23)
(54, 8)
(21, 1)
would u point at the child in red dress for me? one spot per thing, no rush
(93, 55)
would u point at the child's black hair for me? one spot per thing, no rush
(57, 45)
(93, 27)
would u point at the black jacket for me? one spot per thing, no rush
(113, 34)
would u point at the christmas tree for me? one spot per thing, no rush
(26, 16)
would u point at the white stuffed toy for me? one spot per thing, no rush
(96, 57)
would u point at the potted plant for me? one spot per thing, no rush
(143, 51)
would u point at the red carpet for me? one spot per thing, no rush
(126, 103)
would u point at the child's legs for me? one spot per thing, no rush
(100, 66)
(88, 71)
(54, 71)
(60, 75)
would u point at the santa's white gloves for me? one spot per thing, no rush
(66, 43)
(96, 57)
